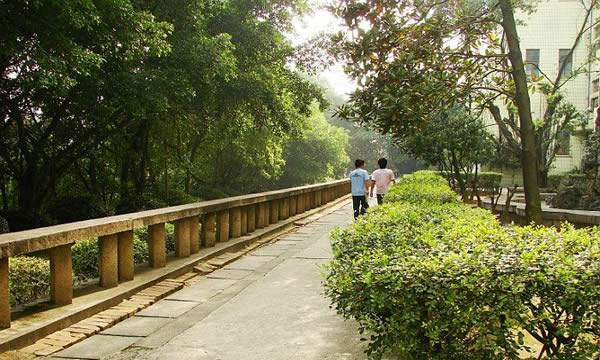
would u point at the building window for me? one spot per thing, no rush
(532, 62)
(596, 85)
(564, 143)
(565, 56)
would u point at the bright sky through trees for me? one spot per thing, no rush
(312, 24)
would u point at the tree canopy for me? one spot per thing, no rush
(120, 105)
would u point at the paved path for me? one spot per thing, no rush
(266, 305)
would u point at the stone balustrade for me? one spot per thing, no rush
(197, 225)
(550, 216)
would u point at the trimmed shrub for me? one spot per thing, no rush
(29, 279)
(85, 260)
(573, 178)
(422, 187)
(489, 181)
(434, 280)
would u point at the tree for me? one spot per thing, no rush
(529, 160)
(412, 58)
(132, 104)
(59, 63)
(317, 154)
(454, 141)
(559, 117)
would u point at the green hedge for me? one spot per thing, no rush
(440, 280)
(29, 276)
(489, 180)
(421, 187)
(555, 180)
(486, 180)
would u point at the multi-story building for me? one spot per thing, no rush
(546, 36)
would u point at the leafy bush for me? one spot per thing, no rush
(434, 280)
(421, 187)
(29, 279)
(489, 181)
(576, 191)
(85, 260)
(555, 180)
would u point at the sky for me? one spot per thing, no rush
(311, 25)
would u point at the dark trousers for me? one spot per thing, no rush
(360, 205)
(379, 199)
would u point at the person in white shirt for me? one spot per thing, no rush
(382, 178)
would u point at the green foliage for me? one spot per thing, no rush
(28, 279)
(74, 207)
(455, 142)
(317, 154)
(432, 280)
(121, 105)
(555, 180)
(575, 191)
(85, 260)
(487, 181)
(422, 187)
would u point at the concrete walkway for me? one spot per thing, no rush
(266, 305)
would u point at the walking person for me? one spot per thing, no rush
(359, 178)
(382, 179)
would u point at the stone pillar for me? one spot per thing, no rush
(61, 275)
(194, 226)
(182, 238)
(293, 205)
(235, 221)
(251, 218)
(4, 295)
(244, 220)
(125, 255)
(109, 274)
(274, 212)
(284, 208)
(267, 210)
(209, 230)
(157, 246)
(223, 226)
(300, 204)
(261, 220)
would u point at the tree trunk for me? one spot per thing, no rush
(543, 177)
(4, 196)
(124, 186)
(462, 187)
(533, 207)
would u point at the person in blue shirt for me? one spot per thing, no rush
(359, 178)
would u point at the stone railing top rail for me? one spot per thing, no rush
(575, 216)
(23, 242)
